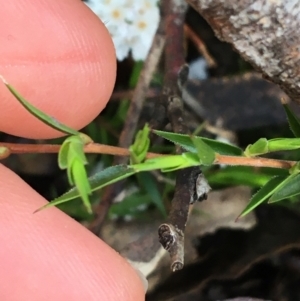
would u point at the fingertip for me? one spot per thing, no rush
(49, 256)
(63, 62)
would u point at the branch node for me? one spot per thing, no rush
(172, 239)
(166, 236)
(200, 187)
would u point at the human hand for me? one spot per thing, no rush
(59, 56)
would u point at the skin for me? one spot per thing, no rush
(61, 58)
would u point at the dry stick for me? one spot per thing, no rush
(264, 32)
(128, 94)
(171, 235)
(97, 148)
(200, 46)
(131, 122)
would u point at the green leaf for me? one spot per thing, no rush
(173, 161)
(293, 120)
(258, 148)
(138, 150)
(130, 205)
(282, 144)
(103, 178)
(238, 175)
(190, 159)
(205, 153)
(71, 151)
(81, 182)
(185, 142)
(168, 163)
(135, 73)
(290, 188)
(76, 150)
(39, 114)
(295, 169)
(71, 156)
(263, 194)
(147, 182)
(63, 155)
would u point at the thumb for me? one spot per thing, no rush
(60, 57)
(49, 256)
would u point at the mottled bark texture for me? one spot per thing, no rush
(265, 32)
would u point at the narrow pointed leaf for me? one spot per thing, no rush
(63, 155)
(190, 159)
(147, 181)
(238, 175)
(168, 163)
(165, 162)
(290, 188)
(70, 175)
(82, 184)
(205, 153)
(76, 151)
(101, 179)
(263, 194)
(185, 142)
(130, 205)
(52, 122)
(281, 144)
(295, 169)
(293, 120)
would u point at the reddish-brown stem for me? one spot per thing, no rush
(200, 46)
(255, 162)
(97, 148)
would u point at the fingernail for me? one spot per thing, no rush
(143, 278)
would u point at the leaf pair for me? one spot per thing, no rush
(275, 190)
(195, 144)
(72, 157)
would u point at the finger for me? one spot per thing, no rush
(49, 256)
(60, 57)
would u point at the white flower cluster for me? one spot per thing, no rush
(131, 23)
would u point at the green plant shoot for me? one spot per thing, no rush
(205, 153)
(264, 146)
(186, 143)
(138, 150)
(72, 157)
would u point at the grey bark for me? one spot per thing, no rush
(265, 32)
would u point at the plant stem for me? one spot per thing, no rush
(97, 148)
(255, 162)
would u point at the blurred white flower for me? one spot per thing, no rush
(198, 69)
(131, 23)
